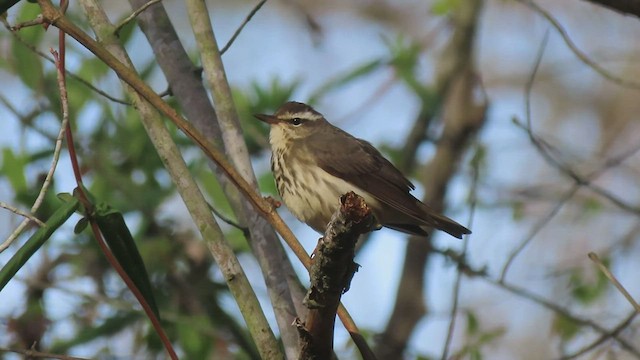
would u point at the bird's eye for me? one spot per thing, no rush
(296, 121)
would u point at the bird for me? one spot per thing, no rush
(314, 163)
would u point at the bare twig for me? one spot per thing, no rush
(30, 354)
(228, 221)
(604, 337)
(45, 186)
(473, 201)
(544, 221)
(39, 20)
(526, 294)
(579, 181)
(628, 7)
(134, 14)
(239, 29)
(331, 273)
(17, 211)
(130, 77)
(463, 115)
(594, 257)
(71, 74)
(584, 58)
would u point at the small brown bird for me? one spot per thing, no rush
(314, 163)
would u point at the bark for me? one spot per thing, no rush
(331, 272)
(186, 85)
(627, 7)
(462, 118)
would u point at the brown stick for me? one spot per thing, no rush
(331, 272)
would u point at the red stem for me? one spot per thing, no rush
(60, 64)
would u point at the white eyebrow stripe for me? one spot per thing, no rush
(308, 115)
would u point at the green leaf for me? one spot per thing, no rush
(587, 292)
(472, 323)
(190, 333)
(59, 217)
(118, 237)
(444, 7)
(25, 62)
(267, 184)
(112, 325)
(13, 167)
(81, 225)
(565, 327)
(517, 210)
(346, 78)
(405, 56)
(592, 206)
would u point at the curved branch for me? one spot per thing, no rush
(627, 7)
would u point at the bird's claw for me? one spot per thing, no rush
(274, 203)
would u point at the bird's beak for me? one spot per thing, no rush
(269, 119)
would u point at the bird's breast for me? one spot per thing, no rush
(311, 194)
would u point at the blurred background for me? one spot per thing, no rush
(543, 101)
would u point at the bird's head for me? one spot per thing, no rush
(292, 121)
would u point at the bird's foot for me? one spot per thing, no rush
(275, 203)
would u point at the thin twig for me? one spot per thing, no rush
(594, 257)
(71, 74)
(134, 15)
(17, 211)
(45, 186)
(84, 198)
(525, 294)
(527, 91)
(604, 337)
(537, 228)
(228, 221)
(574, 48)
(39, 20)
(579, 181)
(244, 23)
(127, 75)
(473, 201)
(29, 354)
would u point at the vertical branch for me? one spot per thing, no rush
(331, 273)
(193, 198)
(264, 241)
(462, 118)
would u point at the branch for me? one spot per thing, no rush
(263, 240)
(594, 257)
(25, 214)
(168, 151)
(48, 179)
(331, 272)
(134, 14)
(549, 305)
(577, 52)
(239, 29)
(463, 114)
(627, 7)
(32, 354)
(262, 207)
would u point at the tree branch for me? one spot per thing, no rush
(462, 117)
(331, 272)
(627, 7)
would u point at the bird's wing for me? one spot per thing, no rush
(359, 163)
